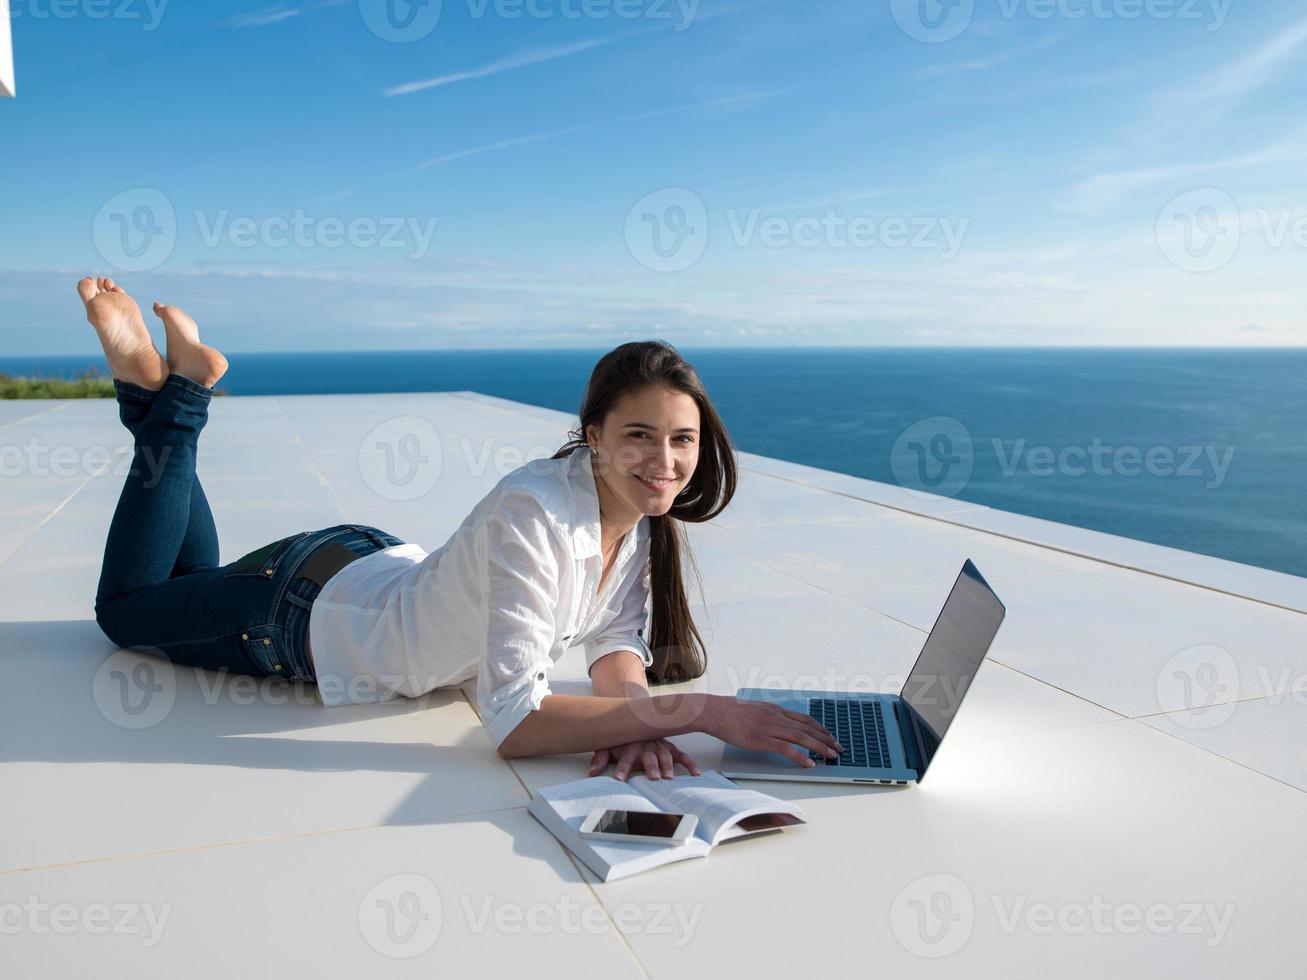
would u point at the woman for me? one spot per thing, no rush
(562, 552)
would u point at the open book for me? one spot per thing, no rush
(725, 811)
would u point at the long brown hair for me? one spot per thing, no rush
(679, 653)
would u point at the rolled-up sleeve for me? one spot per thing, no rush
(626, 631)
(521, 590)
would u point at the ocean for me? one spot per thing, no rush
(1199, 449)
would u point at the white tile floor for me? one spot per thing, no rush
(1123, 794)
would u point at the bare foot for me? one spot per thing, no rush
(186, 355)
(131, 353)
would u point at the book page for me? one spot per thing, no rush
(573, 801)
(563, 807)
(717, 802)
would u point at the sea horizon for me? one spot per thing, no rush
(1198, 448)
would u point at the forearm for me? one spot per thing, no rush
(567, 723)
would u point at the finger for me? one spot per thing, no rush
(600, 762)
(813, 725)
(788, 750)
(665, 758)
(684, 759)
(803, 719)
(807, 741)
(650, 759)
(625, 761)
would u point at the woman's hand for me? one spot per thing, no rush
(768, 727)
(657, 755)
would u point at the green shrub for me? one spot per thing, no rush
(90, 384)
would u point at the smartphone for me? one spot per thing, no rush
(639, 826)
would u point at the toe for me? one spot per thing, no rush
(87, 289)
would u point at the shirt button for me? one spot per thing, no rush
(540, 676)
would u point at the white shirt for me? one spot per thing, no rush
(510, 591)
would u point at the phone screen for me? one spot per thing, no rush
(638, 823)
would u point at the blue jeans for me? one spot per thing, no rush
(161, 588)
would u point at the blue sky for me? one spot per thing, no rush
(343, 174)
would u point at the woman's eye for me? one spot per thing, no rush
(684, 439)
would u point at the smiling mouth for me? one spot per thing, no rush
(655, 485)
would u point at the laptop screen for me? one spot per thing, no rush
(948, 662)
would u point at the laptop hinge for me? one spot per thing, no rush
(908, 732)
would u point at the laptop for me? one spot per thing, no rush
(889, 739)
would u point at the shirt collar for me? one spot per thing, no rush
(585, 508)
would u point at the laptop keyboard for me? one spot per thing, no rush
(857, 725)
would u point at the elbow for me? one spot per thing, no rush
(514, 746)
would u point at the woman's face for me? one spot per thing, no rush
(651, 434)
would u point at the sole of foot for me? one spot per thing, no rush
(118, 323)
(186, 355)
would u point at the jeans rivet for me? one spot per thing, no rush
(267, 642)
(245, 636)
(268, 572)
(276, 666)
